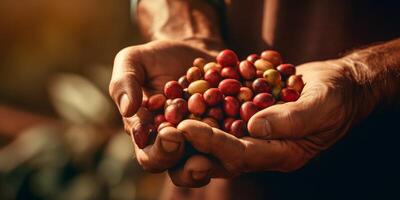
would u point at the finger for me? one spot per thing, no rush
(166, 151)
(126, 81)
(228, 149)
(238, 155)
(292, 120)
(196, 172)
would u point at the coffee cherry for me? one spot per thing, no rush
(156, 102)
(286, 70)
(295, 82)
(141, 135)
(183, 82)
(272, 76)
(211, 122)
(229, 87)
(260, 85)
(228, 123)
(163, 125)
(263, 65)
(196, 104)
(247, 70)
(252, 58)
(182, 105)
(199, 86)
(193, 74)
(245, 94)
(216, 113)
(158, 119)
(227, 58)
(231, 106)
(289, 94)
(259, 74)
(263, 100)
(272, 56)
(238, 128)
(248, 84)
(212, 65)
(247, 110)
(230, 72)
(173, 115)
(173, 89)
(213, 96)
(199, 62)
(213, 77)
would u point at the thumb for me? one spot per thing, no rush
(126, 81)
(292, 120)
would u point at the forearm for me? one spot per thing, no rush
(193, 21)
(377, 70)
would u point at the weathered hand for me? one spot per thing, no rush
(282, 137)
(140, 71)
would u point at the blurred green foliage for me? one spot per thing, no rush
(56, 59)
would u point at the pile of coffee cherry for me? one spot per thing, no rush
(224, 94)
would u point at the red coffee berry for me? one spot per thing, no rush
(230, 87)
(247, 70)
(289, 94)
(141, 135)
(196, 104)
(263, 100)
(247, 110)
(238, 128)
(213, 77)
(173, 89)
(213, 96)
(286, 70)
(216, 113)
(230, 72)
(173, 114)
(228, 123)
(156, 102)
(231, 106)
(272, 56)
(183, 82)
(182, 105)
(227, 58)
(260, 85)
(252, 58)
(158, 119)
(245, 94)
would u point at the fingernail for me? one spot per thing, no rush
(199, 175)
(262, 127)
(169, 146)
(123, 104)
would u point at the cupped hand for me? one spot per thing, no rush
(283, 137)
(140, 71)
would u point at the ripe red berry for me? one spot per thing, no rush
(213, 77)
(231, 106)
(196, 104)
(289, 94)
(247, 70)
(260, 85)
(238, 128)
(173, 89)
(263, 100)
(213, 96)
(227, 58)
(230, 87)
(141, 135)
(247, 110)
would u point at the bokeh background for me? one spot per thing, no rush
(60, 134)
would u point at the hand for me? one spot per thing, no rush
(140, 71)
(283, 137)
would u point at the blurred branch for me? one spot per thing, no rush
(14, 121)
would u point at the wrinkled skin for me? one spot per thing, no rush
(297, 131)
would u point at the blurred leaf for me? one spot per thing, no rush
(78, 100)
